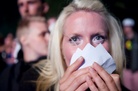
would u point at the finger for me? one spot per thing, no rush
(72, 68)
(106, 77)
(73, 77)
(83, 87)
(76, 83)
(91, 84)
(116, 79)
(98, 81)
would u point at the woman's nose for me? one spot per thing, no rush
(85, 43)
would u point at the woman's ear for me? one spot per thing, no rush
(45, 8)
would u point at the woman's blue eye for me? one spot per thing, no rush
(75, 40)
(98, 39)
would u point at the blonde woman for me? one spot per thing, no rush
(82, 22)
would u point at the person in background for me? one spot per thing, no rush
(80, 23)
(7, 51)
(131, 50)
(28, 8)
(33, 35)
(8, 40)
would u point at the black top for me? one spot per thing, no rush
(19, 77)
(131, 51)
(3, 64)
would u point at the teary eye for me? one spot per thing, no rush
(75, 40)
(97, 39)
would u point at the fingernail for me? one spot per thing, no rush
(95, 64)
(80, 58)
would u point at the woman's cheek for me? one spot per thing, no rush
(68, 53)
(107, 46)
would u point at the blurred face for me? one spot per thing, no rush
(38, 38)
(8, 40)
(128, 30)
(30, 7)
(81, 28)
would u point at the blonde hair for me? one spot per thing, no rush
(114, 30)
(23, 25)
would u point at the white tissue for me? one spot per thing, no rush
(96, 54)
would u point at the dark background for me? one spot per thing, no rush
(9, 15)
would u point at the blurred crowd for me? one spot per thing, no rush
(130, 73)
(10, 46)
(20, 53)
(6, 51)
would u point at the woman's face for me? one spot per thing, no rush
(81, 28)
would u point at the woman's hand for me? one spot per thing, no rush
(95, 78)
(74, 79)
(100, 80)
(116, 78)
